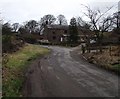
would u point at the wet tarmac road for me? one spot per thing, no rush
(64, 74)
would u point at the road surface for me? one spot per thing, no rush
(64, 73)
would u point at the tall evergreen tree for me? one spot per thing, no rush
(73, 32)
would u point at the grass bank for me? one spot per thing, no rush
(14, 65)
(108, 59)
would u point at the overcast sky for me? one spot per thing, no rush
(25, 10)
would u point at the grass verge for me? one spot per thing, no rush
(109, 59)
(14, 65)
(116, 67)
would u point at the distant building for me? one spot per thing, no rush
(56, 33)
(59, 33)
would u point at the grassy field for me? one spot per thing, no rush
(14, 66)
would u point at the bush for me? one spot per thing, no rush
(29, 38)
(6, 43)
(11, 43)
(116, 30)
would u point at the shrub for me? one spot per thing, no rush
(29, 38)
(6, 43)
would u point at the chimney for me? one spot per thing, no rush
(46, 22)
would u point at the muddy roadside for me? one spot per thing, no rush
(32, 73)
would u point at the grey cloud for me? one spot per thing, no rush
(24, 10)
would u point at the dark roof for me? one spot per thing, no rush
(58, 26)
(81, 30)
(84, 31)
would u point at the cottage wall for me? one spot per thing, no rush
(55, 35)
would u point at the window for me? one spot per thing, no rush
(53, 32)
(65, 31)
(54, 37)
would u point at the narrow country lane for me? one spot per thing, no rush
(63, 73)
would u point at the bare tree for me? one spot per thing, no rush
(47, 19)
(96, 17)
(116, 19)
(61, 20)
(106, 24)
(116, 22)
(31, 26)
(22, 30)
(82, 23)
(1, 22)
(100, 22)
(15, 26)
(6, 29)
